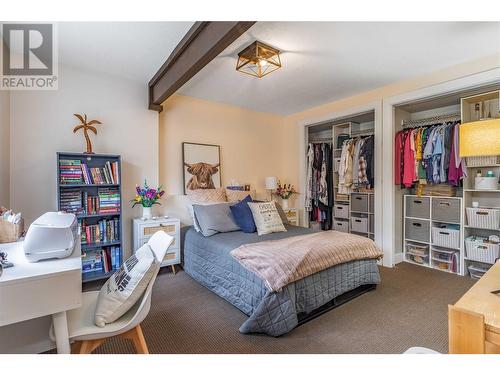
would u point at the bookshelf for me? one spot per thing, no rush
(89, 185)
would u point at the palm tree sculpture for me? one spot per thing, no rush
(86, 126)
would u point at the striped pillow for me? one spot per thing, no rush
(207, 195)
(239, 195)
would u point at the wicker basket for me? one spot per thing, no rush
(449, 238)
(487, 218)
(481, 252)
(482, 161)
(11, 232)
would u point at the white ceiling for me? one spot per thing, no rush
(326, 61)
(133, 50)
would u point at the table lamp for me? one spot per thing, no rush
(271, 184)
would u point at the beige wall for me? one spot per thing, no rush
(42, 123)
(252, 144)
(295, 132)
(4, 148)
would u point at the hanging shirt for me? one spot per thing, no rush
(310, 160)
(408, 160)
(398, 160)
(437, 150)
(345, 168)
(323, 187)
(355, 161)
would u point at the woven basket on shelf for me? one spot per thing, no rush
(11, 232)
(482, 161)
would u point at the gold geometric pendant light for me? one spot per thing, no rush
(258, 60)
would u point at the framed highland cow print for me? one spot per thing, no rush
(201, 165)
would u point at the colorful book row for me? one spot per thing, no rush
(103, 260)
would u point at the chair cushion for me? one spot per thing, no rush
(243, 215)
(266, 217)
(126, 286)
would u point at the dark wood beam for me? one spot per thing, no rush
(202, 43)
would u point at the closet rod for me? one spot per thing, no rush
(319, 140)
(361, 134)
(430, 121)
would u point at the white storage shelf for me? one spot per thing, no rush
(425, 231)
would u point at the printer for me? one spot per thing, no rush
(52, 235)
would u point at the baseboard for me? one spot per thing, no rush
(398, 258)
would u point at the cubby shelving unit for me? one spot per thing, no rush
(92, 189)
(421, 215)
(354, 212)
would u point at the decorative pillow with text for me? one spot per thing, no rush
(266, 217)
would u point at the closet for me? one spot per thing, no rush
(449, 219)
(350, 178)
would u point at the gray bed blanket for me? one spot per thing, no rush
(208, 261)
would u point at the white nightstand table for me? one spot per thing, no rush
(292, 215)
(145, 228)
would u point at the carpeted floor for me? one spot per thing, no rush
(409, 308)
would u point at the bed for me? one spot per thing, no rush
(208, 261)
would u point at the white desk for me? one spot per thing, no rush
(32, 290)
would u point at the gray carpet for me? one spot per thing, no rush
(409, 308)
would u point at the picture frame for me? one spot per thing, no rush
(201, 166)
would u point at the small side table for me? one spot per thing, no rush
(145, 228)
(292, 215)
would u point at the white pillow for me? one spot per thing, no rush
(193, 217)
(266, 217)
(126, 286)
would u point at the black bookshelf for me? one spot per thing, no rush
(92, 189)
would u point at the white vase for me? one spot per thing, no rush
(146, 213)
(284, 204)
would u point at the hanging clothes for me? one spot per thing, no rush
(367, 158)
(308, 193)
(398, 158)
(319, 189)
(428, 155)
(345, 168)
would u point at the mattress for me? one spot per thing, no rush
(207, 260)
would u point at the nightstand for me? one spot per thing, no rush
(144, 229)
(292, 215)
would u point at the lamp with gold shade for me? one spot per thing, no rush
(480, 138)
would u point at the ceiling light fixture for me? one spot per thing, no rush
(258, 60)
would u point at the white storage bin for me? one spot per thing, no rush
(359, 224)
(487, 218)
(486, 183)
(417, 258)
(341, 226)
(480, 251)
(341, 211)
(416, 249)
(476, 272)
(446, 237)
(482, 161)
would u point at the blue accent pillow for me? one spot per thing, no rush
(243, 215)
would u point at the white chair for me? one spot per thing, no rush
(420, 350)
(87, 336)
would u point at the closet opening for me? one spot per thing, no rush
(446, 216)
(340, 174)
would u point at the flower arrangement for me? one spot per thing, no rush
(146, 196)
(285, 191)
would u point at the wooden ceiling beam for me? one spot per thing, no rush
(202, 43)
